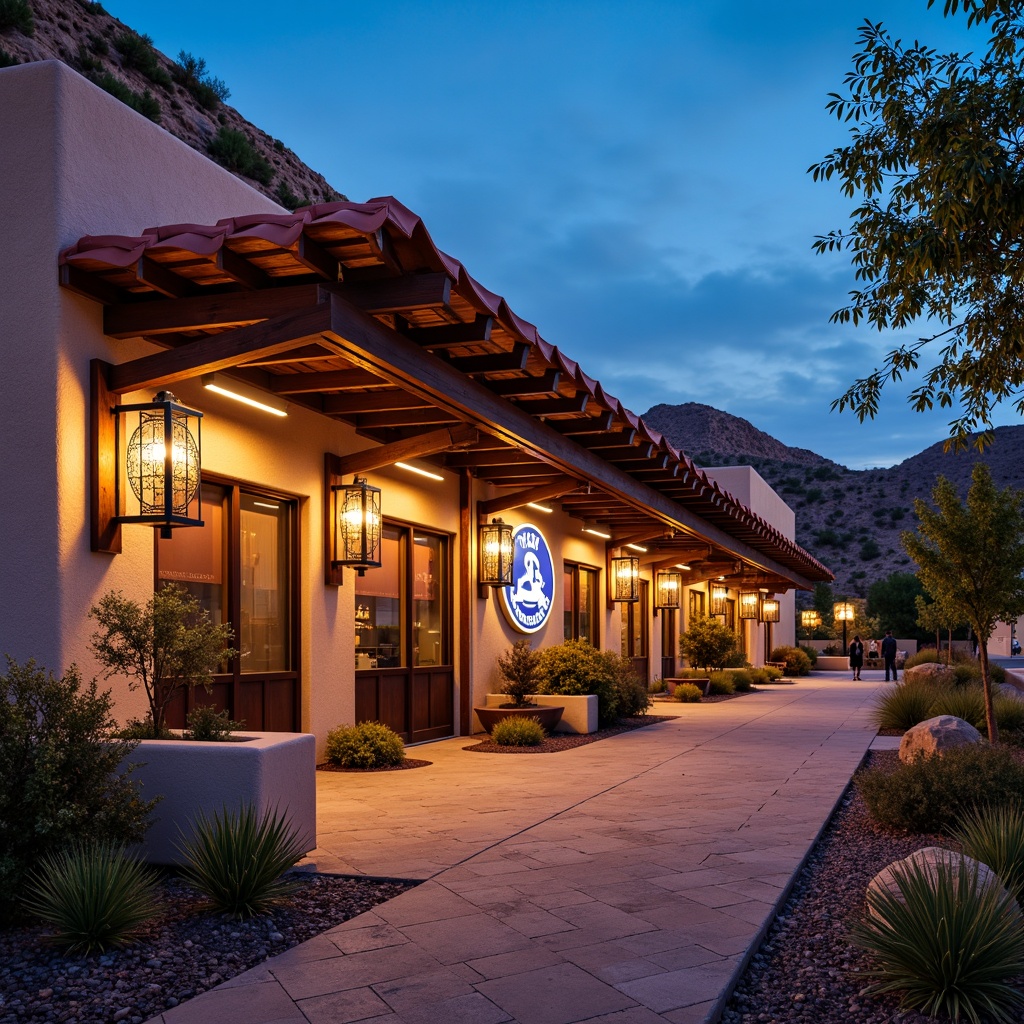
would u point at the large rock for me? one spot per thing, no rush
(937, 735)
(928, 860)
(929, 672)
(1008, 690)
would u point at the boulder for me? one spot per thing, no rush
(930, 672)
(937, 735)
(928, 860)
(1007, 690)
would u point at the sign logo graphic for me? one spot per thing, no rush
(528, 602)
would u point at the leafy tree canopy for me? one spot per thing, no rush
(891, 601)
(935, 164)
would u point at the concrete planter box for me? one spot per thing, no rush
(268, 770)
(579, 714)
(832, 663)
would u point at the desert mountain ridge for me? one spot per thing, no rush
(848, 519)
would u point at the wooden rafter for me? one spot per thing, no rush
(542, 492)
(429, 443)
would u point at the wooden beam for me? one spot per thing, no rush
(331, 380)
(623, 452)
(474, 459)
(91, 286)
(429, 413)
(395, 294)
(202, 312)
(241, 271)
(221, 351)
(306, 354)
(368, 343)
(601, 424)
(526, 387)
(104, 530)
(451, 335)
(577, 404)
(656, 530)
(147, 271)
(551, 489)
(410, 448)
(498, 362)
(372, 401)
(313, 256)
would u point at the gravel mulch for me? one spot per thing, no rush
(567, 740)
(183, 952)
(409, 762)
(806, 971)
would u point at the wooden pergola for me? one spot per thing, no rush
(350, 310)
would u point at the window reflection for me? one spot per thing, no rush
(265, 603)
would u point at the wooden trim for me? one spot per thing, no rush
(334, 576)
(467, 606)
(551, 489)
(445, 439)
(329, 380)
(104, 530)
(477, 330)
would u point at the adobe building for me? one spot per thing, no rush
(358, 587)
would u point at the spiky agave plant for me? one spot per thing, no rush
(946, 943)
(994, 835)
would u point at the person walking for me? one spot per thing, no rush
(889, 655)
(856, 656)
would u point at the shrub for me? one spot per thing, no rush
(687, 693)
(143, 102)
(237, 859)
(574, 668)
(742, 680)
(233, 150)
(930, 794)
(191, 72)
(60, 772)
(205, 723)
(811, 652)
(1009, 713)
(94, 896)
(137, 52)
(764, 675)
(925, 656)
(903, 705)
(366, 745)
(963, 702)
(285, 196)
(631, 695)
(657, 685)
(995, 836)
(708, 643)
(517, 731)
(947, 944)
(7, 60)
(797, 661)
(721, 684)
(169, 642)
(519, 668)
(17, 14)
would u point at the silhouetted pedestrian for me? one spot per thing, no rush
(889, 655)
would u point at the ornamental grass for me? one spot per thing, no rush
(518, 731)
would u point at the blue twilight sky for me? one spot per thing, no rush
(631, 176)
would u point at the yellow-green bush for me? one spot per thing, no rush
(366, 745)
(517, 731)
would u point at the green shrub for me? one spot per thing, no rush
(631, 694)
(205, 723)
(137, 52)
(925, 656)
(366, 745)
(520, 669)
(994, 835)
(93, 895)
(687, 693)
(721, 684)
(17, 14)
(1009, 713)
(963, 702)
(947, 944)
(797, 661)
(903, 705)
(763, 675)
(144, 103)
(61, 773)
(191, 72)
(931, 794)
(966, 675)
(285, 196)
(574, 668)
(657, 685)
(233, 150)
(237, 859)
(518, 731)
(7, 60)
(708, 643)
(742, 679)
(811, 652)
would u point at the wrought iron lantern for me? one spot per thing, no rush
(496, 553)
(749, 604)
(161, 463)
(810, 618)
(625, 578)
(844, 612)
(668, 589)
(719, 595)
(770, 608)
(357, 525)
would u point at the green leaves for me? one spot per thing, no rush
(935, 162)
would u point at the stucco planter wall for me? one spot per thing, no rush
(579, 714)
(832, 663)
(268, 770)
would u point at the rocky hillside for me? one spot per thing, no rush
(180, 95)
(849, 519)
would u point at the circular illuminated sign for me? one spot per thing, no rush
(530, 599)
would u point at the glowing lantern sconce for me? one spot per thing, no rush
(810, 618)
(496, 554)
(749, 604)
(719, 595)
(357, 525)
(668, 589)
(625, 578)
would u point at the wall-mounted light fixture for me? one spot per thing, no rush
(496, 553)
(719, 595)
(357, 525)
(158, 465)
(595, 532)
(668, 589)
(810, 618)
(770, 609)
(625, 578)
(539, 508)
(419, 471)
(749, 601)
(682, 565)
(229, 388)
(637, 547)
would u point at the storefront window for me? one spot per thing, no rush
(580, 596)
(634, 631)
(696, 604)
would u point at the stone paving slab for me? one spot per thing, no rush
(626, 881)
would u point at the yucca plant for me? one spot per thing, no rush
(517, 731)
(237, 859)
(966, 702)
(946, 943)
(994, 835)
(903, 705)
(93, 895)
(1009, 713)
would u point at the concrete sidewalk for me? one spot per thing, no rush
(624, 881)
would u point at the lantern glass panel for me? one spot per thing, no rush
(748, 604)
(495, 543)
(358, 524)
(810, 619)
(844, 611)
(719, 596)
(626, 578)
(770, 609)
(669, 589)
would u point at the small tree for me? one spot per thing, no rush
(707, 643)
(167, 643)
(971, 557)
(520, 668)
(933, 616)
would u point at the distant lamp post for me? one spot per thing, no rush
(844, 612)
(810, 618)
(668, 589)
(625, 578)
(768, 612)
(719, 595)
(749, 602)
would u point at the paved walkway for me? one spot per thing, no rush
(625, 881)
